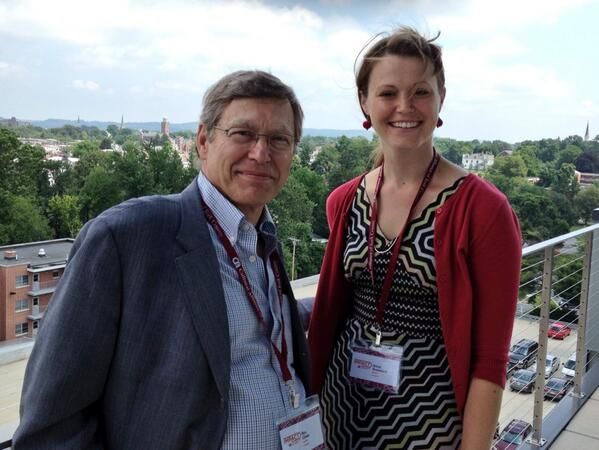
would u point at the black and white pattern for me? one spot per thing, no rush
(423, 414)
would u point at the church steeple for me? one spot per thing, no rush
(122, 117)
(586, 133)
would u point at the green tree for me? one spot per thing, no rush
(528, 153)
(83, 148)
(316, 190)
(304, 153)
(326, 161)
(542, 213)
(509, 166)
(87, 162)
(588, 161)
(568, 155)
(354, 159)
(100, 191)
(452, 149)
(21, 165)
(548, 149)
(106, 143)
(22, 220)
(565, 181)
(133, 171)
(167, 170)
(586, 201)
(63, 212)
(292, 213)
(493, 147)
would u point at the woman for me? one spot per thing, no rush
(416, 300)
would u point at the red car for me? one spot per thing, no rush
(558, 330)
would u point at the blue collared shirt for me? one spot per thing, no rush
(258, 396)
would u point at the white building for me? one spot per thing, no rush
(477, 161)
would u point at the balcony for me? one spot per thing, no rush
(37, 312)
(39, 288)
(560, 283)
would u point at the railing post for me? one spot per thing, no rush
(539, 397)
(581, 354)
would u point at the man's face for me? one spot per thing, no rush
(249, 175)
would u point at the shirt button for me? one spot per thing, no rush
(252, 258)
(439, 210)
(246, 227)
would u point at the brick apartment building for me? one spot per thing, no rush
(29, 274)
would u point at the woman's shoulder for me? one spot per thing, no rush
(483, 189)
(341, 197)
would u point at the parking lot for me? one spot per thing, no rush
(520, 405)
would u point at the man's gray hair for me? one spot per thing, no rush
(248, 84)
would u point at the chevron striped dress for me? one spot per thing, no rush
(423, 414)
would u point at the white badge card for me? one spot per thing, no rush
(303, 430)
(377, 366)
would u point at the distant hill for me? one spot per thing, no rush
(187, 126)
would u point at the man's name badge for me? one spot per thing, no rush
(377, 366)
(303, 430)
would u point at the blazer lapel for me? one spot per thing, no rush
(202, 286)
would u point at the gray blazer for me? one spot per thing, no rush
(133, 352)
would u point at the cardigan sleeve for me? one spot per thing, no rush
(494, 263)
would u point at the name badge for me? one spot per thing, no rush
(377, 366)
(303, 430)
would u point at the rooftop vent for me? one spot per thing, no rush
(10, 254)
(41, 253)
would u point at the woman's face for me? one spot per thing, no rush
(403, 102)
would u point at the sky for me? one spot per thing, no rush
(515, 69)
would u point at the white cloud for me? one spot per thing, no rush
(161, 55)
(497, 70)
(475, 16)
(7, 69)
(136, 89)
(86, 85)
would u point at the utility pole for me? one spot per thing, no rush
(294, 242)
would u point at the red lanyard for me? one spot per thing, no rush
(428, 176)
(274, 260)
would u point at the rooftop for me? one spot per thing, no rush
(55, 251)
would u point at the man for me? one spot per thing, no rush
(174, 326)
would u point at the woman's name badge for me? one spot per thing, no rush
(377, 366)
(303, 430)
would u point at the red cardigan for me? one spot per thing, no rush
(478, 253)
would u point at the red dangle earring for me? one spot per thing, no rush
(367, 124)
(439, 122)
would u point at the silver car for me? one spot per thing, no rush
(551, 365)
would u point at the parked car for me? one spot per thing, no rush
(523, 380)
(570, 366)
(551, 365)
(522, 354)
(559, 330)
(513, 435)
(556, 388)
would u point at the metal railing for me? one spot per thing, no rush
(38, 286)
(560, 284)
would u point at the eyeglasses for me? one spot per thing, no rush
(277, 142)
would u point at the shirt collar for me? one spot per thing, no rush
(228, 215)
